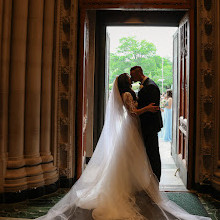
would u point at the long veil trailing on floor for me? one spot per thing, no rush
(118, 183)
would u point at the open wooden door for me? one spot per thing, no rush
(107, 60)
(85, 90)
(175, 90)
(101, 76)
(82, 153)
(181, 73)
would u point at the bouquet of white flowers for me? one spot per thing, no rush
(163, 103)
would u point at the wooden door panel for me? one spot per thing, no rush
(184, 97)
(181, 98)
(82, 108)
(183, 117)
(175, 96)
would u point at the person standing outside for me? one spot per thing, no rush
(168, 117)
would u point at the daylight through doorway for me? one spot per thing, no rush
(152, 49)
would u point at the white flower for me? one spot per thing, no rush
(163, 103)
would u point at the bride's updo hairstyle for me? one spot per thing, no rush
(124, 85)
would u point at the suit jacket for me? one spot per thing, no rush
(150, 93)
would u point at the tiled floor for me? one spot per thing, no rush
(172, 183)
(170, 180)
(211, 205)
(6, 218)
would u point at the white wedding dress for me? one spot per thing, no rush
(118, 183)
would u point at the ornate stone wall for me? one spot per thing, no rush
(207, 154)
(216, 176)
(65, 87)
(25, 95)
(37, 92)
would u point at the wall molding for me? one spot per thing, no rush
(65, 87)
(207, 98)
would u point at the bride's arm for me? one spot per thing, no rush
(130, 105)
(149, 108)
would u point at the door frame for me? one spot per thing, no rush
(82, 74)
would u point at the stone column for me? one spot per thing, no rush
(16, 174)
(33, 94)
(5, 35)
(50, 172)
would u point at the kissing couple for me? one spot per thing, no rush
(121, 180)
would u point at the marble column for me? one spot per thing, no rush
(15, 178)
(33, 94)
(5, 34)
(50, 172)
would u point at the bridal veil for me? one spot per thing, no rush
(118, 183)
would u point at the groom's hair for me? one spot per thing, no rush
(124, 85)
(136, 67)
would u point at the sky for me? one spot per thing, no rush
(161, 37)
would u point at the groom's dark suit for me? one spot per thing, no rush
(151, 123)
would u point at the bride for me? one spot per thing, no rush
(118, 183)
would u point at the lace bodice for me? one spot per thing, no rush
(129, 102)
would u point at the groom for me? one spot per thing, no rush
(151, 123)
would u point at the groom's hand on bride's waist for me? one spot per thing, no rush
(153, 108)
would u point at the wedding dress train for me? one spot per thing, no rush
(118, 183)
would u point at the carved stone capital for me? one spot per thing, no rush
(208, 26)
(65, 147)
(207, 125)
(209, 99)
(66, 4)
(208, 49)
(206, 150)
(64, 172)
(66, 44)
(65, 69)
(64, 121)
(208, 104)
(207, 4)
(64, 95)
(207, 76)
(65, 19)
(66, 24)
(207, 72)
(205, 177)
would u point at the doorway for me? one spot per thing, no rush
(143, 46)
(150, 18)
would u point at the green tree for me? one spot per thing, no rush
(132, 52)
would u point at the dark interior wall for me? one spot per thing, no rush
(141, 18)
(99, 79)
